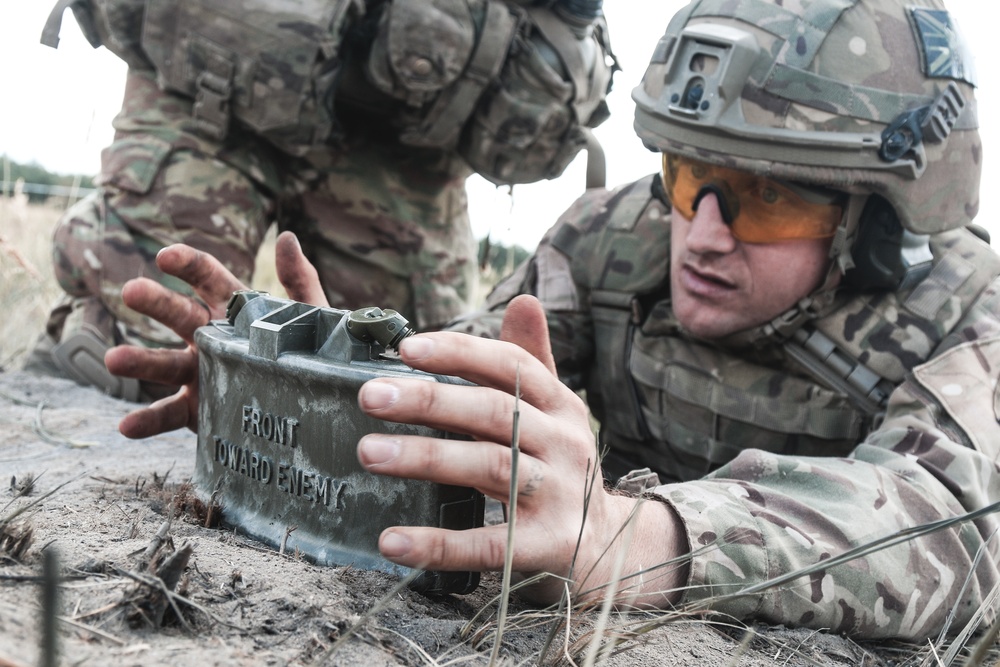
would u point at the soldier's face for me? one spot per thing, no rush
(720, 285)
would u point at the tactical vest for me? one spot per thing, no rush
(514, 88)
(684, 407)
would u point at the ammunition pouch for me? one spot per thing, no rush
(511, 88)
(275, 69)
(430, 56)
(533, 121)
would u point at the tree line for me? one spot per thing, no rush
(43, 183)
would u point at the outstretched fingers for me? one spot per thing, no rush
(524, 324)
(167, 414)
(478, 549)
(164, 366)
(180, 313)
(480, 412)
(295, 272)
(211, 280)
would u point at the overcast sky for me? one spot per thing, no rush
(57, 107)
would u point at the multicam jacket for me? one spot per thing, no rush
(774, 467)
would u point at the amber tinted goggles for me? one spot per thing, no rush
(757, 209)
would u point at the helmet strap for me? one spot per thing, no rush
(786, 324)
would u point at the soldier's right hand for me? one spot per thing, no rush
(214, 284)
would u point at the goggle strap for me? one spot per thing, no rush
(840, 248)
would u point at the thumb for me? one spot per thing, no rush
(524, 324)
(296, 273)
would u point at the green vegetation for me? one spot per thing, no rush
(500, 259)
(39, 182)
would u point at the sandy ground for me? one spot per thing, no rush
(245, 603)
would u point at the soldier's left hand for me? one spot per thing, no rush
(214, 284)
(557, 463)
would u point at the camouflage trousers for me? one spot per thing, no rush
(384, 224)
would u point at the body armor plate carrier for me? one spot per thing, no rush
(685, 406)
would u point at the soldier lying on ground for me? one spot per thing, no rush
(352, 123)
(793, 325)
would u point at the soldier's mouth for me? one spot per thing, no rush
(704, 283)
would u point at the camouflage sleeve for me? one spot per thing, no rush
(934, 457)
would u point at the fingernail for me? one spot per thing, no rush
(416, 348)
(394, 545)
(374, 450)
(377, 395)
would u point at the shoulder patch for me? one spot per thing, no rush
(945, 54)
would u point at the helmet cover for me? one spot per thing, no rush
(863, 96)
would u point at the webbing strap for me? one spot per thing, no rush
(560, 36)
(597, 172)
(612, 321)
(453, 105)
(53, 25)
(695, 444)
(213, 88)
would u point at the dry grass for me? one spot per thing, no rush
(29, 288)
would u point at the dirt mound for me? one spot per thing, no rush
(145, 582)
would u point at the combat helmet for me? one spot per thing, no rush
(873, 98)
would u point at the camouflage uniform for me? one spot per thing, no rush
(401, 232)
(864, 410)
(354, 142)
(787, 480)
